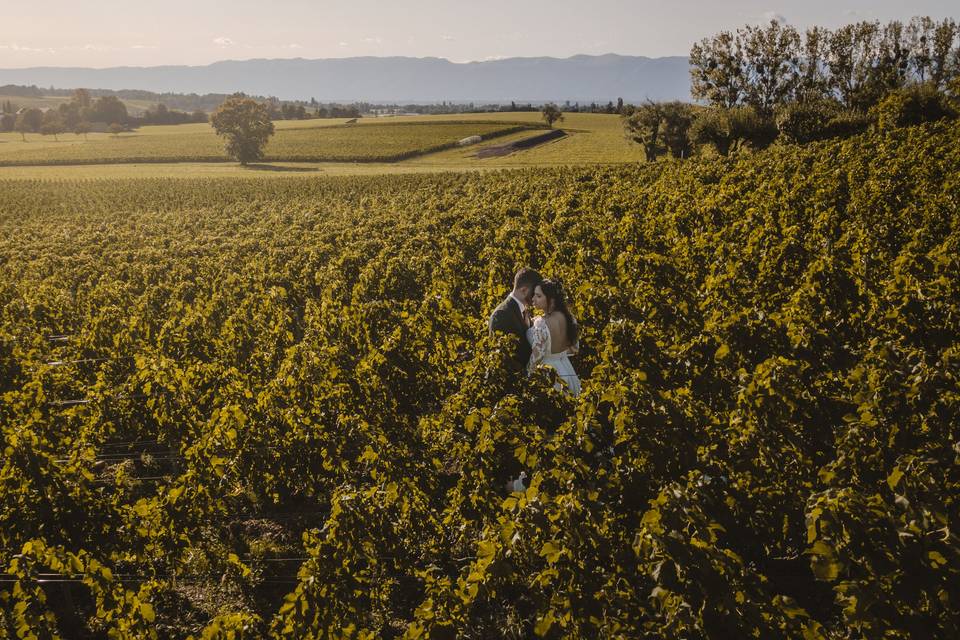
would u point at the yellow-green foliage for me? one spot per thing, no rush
(368, 142)
(294, 423)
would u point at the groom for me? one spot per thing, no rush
(513, 314)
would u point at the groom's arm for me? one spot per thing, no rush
(502, 322)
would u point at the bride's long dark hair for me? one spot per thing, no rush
(553, 292)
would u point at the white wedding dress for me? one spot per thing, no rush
(539, 338)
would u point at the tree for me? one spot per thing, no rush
(82, 129)
(852, 59)
(108, 109)
(245, 123)
(953, 90)
(551, 114)
(116, 129)
(812, 80)
(34, 119)
(944, 55)
(159, 114)
(768, 67)
(661, 126)
(28, 121)
(52, 124)
(930, 46)
(892, 68)
(730, 129)
(715, 70)
(7, 122)
(771, 62)
(643, 127)
(712, 126)
(82, 98)
(70, 113)
(675, 127)
(21, 126)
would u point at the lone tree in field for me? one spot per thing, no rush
(551, 114)
(246, 125)
(82, 129)
(21, 126)
(28, 121)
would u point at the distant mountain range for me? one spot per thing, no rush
(394, 79)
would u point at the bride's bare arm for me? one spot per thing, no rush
(574, 348)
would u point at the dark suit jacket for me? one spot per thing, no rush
(506, 318)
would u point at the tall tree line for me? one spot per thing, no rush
(857, 65)
(770, 82)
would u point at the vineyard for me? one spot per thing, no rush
(269, 407)
(373, 142)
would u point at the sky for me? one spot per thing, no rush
(111, 33)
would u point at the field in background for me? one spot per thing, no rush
(591, 139)
(293, 141)
(134, 107)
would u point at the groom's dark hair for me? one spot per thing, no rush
(526, 277)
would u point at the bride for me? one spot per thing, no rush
(554, 335)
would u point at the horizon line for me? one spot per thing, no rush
(464, 62)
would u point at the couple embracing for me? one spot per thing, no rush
(551, 336)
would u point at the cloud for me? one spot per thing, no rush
(373, 40)
(483, 59)
(13, 46)
(223, 42)
(343, 44)
(143, 46)
(293, 45)
(447, 38)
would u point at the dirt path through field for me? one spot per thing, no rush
(518, 145)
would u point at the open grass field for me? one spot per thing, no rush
(296, 141)
(591, 139)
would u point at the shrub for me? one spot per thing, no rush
(846, 124)
(806, 121)
(912, 106)
(730, 129)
